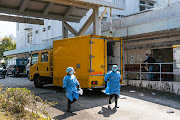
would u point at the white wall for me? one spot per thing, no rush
(165, 2)
(56, 26)
(42, 37)
(164, 86)
(47, 37)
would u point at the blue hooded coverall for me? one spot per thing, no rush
(113, 86)
(70, 83)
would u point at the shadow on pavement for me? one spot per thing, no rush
(64, 116)
(90, 99)
(106, 112)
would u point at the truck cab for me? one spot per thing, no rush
(41, 68)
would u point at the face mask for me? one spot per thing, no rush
(146, 57)
(71, 73)
(114, 69)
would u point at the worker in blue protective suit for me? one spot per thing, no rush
(113, 85)
(70, 84)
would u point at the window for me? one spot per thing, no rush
(49, 27)
(44, 57)
(44, 29)
(21, 61)
(142, 2)
(116, 1)
(144, 5)
(29, 40)
(12, 62)
(151, 4)
(142, 8)
(34, 59)
(37, 31)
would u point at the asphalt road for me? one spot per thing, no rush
(135, 103)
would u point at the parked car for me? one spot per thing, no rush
(16, 67)
(2, 71)
(28, 67)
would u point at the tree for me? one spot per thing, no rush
(6, 45)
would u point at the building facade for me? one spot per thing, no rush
(155, 32)
(36, 37)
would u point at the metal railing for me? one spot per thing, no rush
(159, 71)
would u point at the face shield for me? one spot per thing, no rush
(114, 68)
(69, 69)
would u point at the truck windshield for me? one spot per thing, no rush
(34, 59)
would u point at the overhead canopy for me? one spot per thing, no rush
(91, 3)
(69, 10)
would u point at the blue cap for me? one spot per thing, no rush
(70, 69)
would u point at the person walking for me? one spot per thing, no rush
(112, 83)
(71, 85)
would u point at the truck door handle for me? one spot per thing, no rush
(101, 66)
(47, 68)
(37, 68)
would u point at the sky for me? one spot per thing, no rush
(7, 28)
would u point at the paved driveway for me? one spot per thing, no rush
(135, 104)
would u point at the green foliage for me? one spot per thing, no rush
(6, 45)
(15, 100)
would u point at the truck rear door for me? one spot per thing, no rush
(98, 57)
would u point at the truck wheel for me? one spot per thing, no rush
(37, 82)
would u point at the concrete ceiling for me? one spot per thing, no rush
(68, 10)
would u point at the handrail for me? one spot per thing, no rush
(153, 63)
(160, 72)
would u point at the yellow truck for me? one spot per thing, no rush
(91, 56)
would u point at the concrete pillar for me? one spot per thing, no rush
(64, 30)
(101, 17)
(96, 21)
